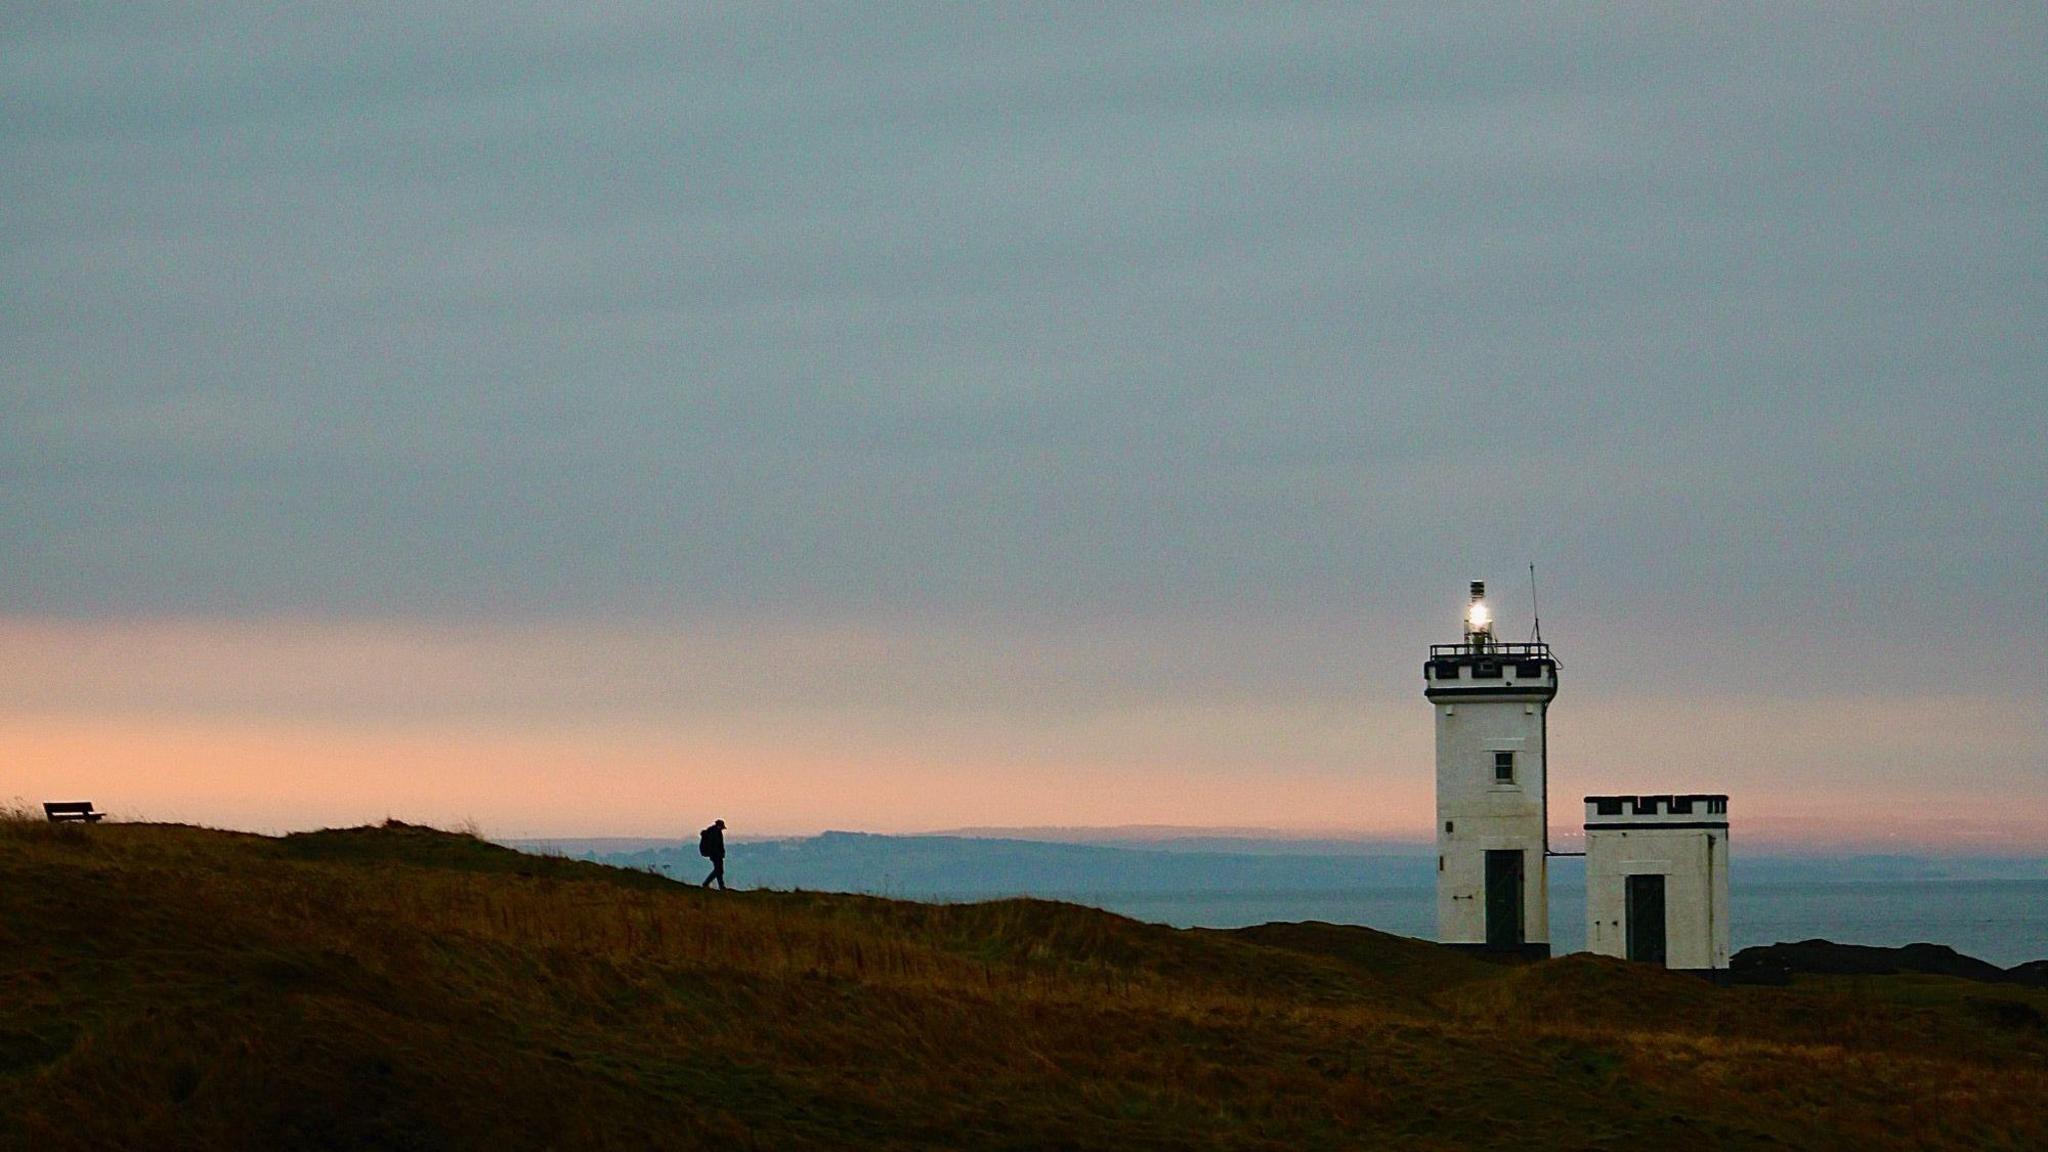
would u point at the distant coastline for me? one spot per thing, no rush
(1992, 907)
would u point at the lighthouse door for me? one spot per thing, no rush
(1646, 919)
(1503, 898)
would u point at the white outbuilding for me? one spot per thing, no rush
(1657, 879)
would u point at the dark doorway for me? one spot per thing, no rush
(1503, 898)
(1646, 919)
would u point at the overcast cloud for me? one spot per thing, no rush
(1274, 325)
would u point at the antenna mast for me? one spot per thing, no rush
(1535, 611)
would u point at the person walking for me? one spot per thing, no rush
(711, 846)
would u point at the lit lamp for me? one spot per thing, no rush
(1478, 617)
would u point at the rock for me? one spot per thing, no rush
(1771, 963)
(2034, 974)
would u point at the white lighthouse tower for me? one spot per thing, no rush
(1492, 837)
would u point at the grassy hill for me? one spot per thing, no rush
(169, 988)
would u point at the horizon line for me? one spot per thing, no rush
(1775, 845)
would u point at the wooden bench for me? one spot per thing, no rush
(72, 810)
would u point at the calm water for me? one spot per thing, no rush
(2003, 921)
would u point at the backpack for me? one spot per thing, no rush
(704, 843)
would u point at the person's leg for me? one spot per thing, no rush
(719, 871)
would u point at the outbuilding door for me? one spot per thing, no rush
(1503, 898)
(1646, 919)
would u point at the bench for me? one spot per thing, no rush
(72, 810)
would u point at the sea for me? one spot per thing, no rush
(1993, 908)
(2002, 921)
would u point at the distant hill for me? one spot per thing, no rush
(401, 988)
(954, 866)
(1168, 838)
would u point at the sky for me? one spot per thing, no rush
(904, 417)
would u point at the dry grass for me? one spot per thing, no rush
(397, 987)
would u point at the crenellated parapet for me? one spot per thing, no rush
(1671, 810)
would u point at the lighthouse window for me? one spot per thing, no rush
(1504, 767)
(1607, 806)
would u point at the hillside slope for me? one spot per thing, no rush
(396, 987)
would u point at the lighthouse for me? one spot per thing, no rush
(1491, 701)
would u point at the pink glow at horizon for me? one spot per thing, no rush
(288, 777)
(586, 731)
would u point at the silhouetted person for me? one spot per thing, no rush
(711, 845)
